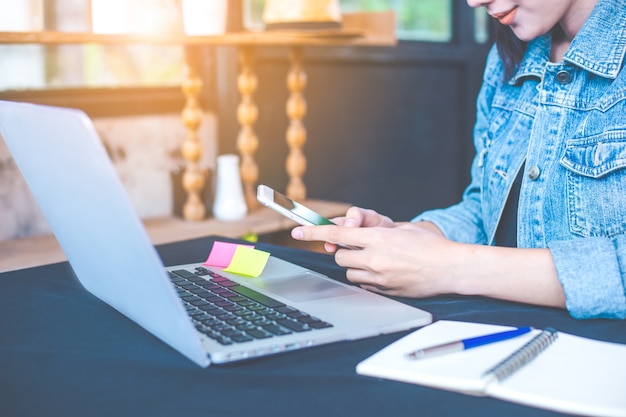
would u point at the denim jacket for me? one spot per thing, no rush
(565, 123)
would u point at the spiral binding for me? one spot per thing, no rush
(523, 355)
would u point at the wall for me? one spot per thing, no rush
(387, 128)
(145, 151)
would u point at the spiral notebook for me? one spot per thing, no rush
(559, 371)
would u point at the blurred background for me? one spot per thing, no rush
(388, 128)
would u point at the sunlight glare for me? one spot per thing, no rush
(134, 16)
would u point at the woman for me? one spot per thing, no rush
(552, 114)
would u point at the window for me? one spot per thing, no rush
(35, 67)
(89, 65)
(423, 20)
(417, 20)
(481, 25)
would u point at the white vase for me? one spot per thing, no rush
(229, 203)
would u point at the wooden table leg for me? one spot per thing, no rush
(247, 113)
(193, 178)
(296, 132)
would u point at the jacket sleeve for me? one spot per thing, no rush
(463, 222)
(593, 274)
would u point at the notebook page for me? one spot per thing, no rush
(574, 375)
(460, 371)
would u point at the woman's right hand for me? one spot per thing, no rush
(359, 217)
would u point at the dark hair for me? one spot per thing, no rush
(510, 49)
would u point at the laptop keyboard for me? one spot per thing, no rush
(231, 313)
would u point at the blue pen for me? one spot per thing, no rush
(460, 345)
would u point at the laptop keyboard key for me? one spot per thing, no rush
(208, 285)
(189, 286)
(229, 295)
(246, 326)
(184, 273)
(258, 333)
(226, 341)
(241, 338)
(221, 291)
(233, 308)
(202, 271)
(320, 324)
(223, 303)
(257, 296)
(293, 325)
(225, 282)
(285, 309)
(297, 315)
(212, 310)
(275, 329)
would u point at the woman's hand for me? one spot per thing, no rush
(407, 260)
(358, 217)
(394, 258)
(416, 260)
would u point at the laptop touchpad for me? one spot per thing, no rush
(304, 286)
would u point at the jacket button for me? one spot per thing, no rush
(563, 77)
(534, 172)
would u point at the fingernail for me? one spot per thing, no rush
(297, 234)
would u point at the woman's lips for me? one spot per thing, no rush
(505, 18)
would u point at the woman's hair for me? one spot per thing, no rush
(510, 49)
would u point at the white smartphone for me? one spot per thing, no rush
(289, 208)
(292, 210)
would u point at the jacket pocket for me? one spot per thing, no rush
(596, 184)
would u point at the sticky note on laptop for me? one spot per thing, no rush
(222, 253)
(248, 261)
(237, 259)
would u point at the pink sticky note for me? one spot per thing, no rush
(248, 261)
(222, 254)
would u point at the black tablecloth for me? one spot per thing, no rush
(64, 352)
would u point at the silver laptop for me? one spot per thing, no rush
(208, 315)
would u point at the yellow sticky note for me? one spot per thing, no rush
(248, 261)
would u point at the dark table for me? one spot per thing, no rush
(64, 352)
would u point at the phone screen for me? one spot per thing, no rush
(300, 210)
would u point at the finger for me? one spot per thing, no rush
(357, 276)
(354, 217)
(330, 247)
(338, 220)
(373, 288)
(351, 213)
(313, 233)
(348, 236)
(353, 259)
(366, 218)
(364, 279)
